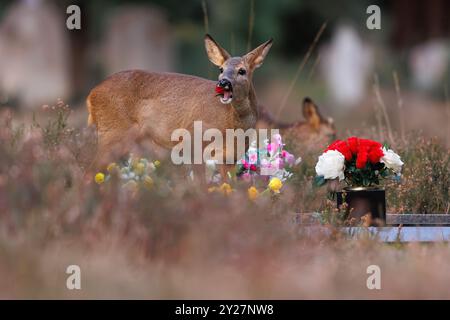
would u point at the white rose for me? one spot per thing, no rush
(331, 165)
(392, 161)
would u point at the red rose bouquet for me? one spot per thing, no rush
(360, 162)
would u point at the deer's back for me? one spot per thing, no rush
(169, 100)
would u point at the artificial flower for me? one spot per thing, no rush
(112, 167)
(361, 158)
(275, 185)
(226, 189)
(331, 165)
(252, 193)
(148, 182)
(140, 169)
(99, 178)
(392, 161)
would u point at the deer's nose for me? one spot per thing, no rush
(225, 83)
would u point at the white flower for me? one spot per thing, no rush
(211, 169)
(331, 165)
(211, 164)
(392, 161)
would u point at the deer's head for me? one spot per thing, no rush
(235, 78)
(324, 127)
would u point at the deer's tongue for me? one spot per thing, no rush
(226, 95)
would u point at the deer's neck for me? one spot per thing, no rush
(247, 109)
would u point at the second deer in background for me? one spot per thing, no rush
(315, 133)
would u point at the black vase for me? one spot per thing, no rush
(362, 201)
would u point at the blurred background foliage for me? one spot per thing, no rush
(413, 43)
(292, 23)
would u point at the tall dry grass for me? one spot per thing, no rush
(179, 241)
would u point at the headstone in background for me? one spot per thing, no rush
(34, 55)
(428, 63)
(346, 65)
(138, 37)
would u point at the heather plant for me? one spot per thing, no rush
(331, 215)
(48, 199)
(52, 215)
(55, 128)
(425, 183)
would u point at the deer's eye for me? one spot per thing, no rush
(242, 71)
(221, 70)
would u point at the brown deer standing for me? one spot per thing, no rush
(136, 105)
(313, 134)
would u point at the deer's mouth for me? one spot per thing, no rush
(225, 93)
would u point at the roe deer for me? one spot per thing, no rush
(310, 135)
(135, 105)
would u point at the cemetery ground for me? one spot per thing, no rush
(176, 240)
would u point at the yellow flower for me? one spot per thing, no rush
(99, 178)
(275, 185)
(134, 162)
(157, 163)
(112, 167)
(212, 189)
(140, 169)
(226, 189)
(253, 193)
(148, 182)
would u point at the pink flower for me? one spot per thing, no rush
(267, 168)
(289, 158)
(265, 164)
(278, 163)
(272, 147)
(253, 158)
(277, 139)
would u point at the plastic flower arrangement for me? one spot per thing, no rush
(271, 164)
(270, 161)
(134, 173)
(359, 162)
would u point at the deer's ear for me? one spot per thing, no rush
(311, 113)
(256, 57)
(216, 54)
